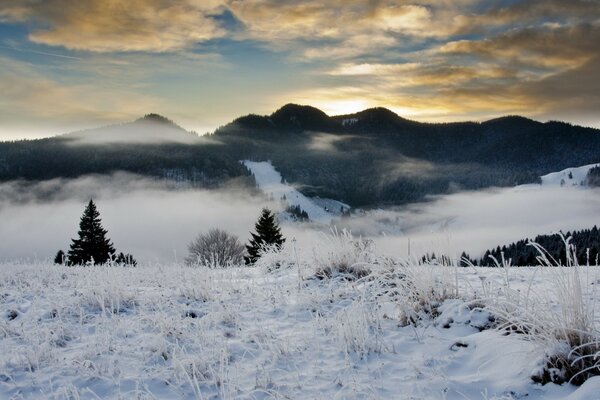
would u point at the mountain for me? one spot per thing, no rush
(150, 129)
(368, 158)
(152, 146)
(376, 157)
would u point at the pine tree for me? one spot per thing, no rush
(267, 234)
(92, 244)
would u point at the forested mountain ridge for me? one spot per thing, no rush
(377, 157)
(372, 157)
(152, 146)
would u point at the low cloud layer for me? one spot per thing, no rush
(155, 223)
(480, 220)
(142, 217)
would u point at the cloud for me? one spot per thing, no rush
(428, 60)
(29, 97)
(574, 92)
(478, 220)
(117, 26)
(155, 222)
(336, 29)
(326, 142)
(528, 12)
(515, 71)
(546, 46)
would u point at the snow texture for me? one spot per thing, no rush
(173, 332)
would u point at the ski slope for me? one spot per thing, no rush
(568, 177)
(269, 181)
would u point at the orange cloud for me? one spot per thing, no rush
(119, 26)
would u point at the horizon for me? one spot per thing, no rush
(212, 131)
(68, 66)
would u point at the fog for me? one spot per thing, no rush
(155, 222)
(142, 132)
(476, 221)
(143, 217)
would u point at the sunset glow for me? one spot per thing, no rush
(70, 65)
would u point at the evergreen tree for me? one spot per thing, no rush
(92, 243)
(59, 258)
(267, 234)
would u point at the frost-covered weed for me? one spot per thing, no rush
(562, 320)
(273, 257)
(416, 290)
(342, 254)
(181, 332)
(357, 329)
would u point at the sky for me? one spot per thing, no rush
(68, 65)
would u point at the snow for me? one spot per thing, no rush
(349, 121)
(193, 333)
(269, 181)
(561, 178)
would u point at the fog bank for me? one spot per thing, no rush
(155, 223)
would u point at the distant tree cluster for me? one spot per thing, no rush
(586, 243)
(593, 177)
(297, 213)
(92, 245)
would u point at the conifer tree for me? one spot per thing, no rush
(92, 244)
(267, 234)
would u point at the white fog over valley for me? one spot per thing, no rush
(155, 221)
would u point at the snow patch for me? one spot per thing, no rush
(568, 177)
(349, 121)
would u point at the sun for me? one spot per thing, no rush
(342, 107)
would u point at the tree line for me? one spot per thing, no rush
(583, 247)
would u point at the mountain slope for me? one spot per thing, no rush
(367, 158)
(152, 146)
(377, 157)
(150, 129)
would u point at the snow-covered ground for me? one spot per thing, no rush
(158, 332)
(270, 183)
(568, 177)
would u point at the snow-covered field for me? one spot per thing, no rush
(274, 331)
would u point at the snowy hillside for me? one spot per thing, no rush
(173, 332)
(269, 181)
(568, 177)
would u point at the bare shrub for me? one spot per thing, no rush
(216, 248)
